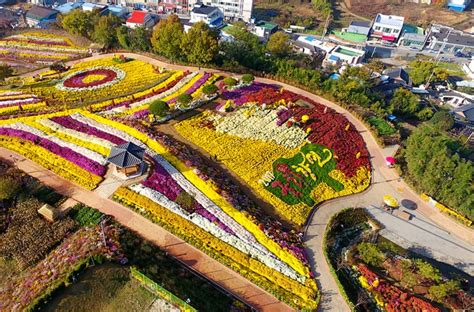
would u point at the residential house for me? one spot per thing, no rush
(454, 99)
(449, 39)
(359, 27)
(344, 55)
(39, 16)
(140, 19)
(303, 47)
(326, 47)
(116, 10)
(355, 34)
(399, 76)
(97, 7)
(387, 27)
(465, 113)
(264, 29)
(48, 3)
(211, 16)
(69, 6)
(232, 9)
(458, 5)
(413, 37)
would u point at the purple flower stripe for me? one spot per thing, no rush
(71, 123)
(198, 83)
(239, 95)
(161, 181)
(64, 152)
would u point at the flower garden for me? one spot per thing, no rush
(293, 153)
(37, 49)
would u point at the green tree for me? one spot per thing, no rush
(9, 187)
(442, 120)
(5, 71)
(371, 254)
(229, 81)
(322, 6)
(105, 30)
(210, 89)
(78, 22)
(404, 102)
(140, 39)
(167, 37)
(421, 71)
(435, 166)
(123, 37)
(425, 114)
(247, 78)
(158, 108)
(441, 291)
(376, 66)
(200, 44)
(428, 271)
(278, 44)
(184, 99)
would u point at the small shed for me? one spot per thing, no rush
(127, 158)
(49, 212)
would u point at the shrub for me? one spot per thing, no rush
(425, 114)
(247, 78)
(371, 254)
(209, 89)
(158, 108)
(9, 187)
(442, 120)
(229, 82)
(184, 99)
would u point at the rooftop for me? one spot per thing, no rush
(390, 20)
(360, 24)
(351, 37)
(38, 12)
(203, 9)
(126, 155)
(137, 17)
(68, 7)
(266, 25)
(453, 36)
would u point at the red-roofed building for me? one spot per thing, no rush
(140, 19)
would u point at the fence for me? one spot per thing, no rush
(160, 291)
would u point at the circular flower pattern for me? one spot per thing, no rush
(91, 79)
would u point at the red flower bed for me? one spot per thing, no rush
(394, 298)
(77, 81)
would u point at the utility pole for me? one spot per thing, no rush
(325, 29)
(445, 40)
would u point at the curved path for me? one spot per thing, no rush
(384, 181)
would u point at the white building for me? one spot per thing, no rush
(211, 16)
(316, 43)
(232, 9)
(387, 27)
(345, 55)
(140, 19)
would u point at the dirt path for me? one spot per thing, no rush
(191, 256)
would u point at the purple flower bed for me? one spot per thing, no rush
(239, 96)
(283, 116)
(161, 181)
(71, 123)
(24, 102)
(64, 152)
(198, 83)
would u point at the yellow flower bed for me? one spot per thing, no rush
(242, 263)
(446, 210)
(175, 75)
(139, 76)
(241, 217)
(51, 161)
(12, 109)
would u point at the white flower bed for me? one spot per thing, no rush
(253, 122)
(17, 101)
(120, 75)
(78, 149)
(263, 256)
(179, 85)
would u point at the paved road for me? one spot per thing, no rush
(384, 181)
(191, 256)
(422, 236)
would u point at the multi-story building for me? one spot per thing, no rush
(449, 40)
(387, 27)
(211, 16)
(232, 9)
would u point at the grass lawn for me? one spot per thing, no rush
(382, 127)
(104, 288)
(454, 69)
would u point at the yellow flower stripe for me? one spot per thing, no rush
(104, 151)
(51, 161)
(98, 106)
(243, 218)
(53, 36)
(11, 109)
(183, 88)
(196, 94)
(447, 210)
(14, 97)
(34, 118)
(207, 242)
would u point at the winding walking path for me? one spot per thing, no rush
(384, 181)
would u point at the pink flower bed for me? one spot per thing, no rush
(77, 81)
